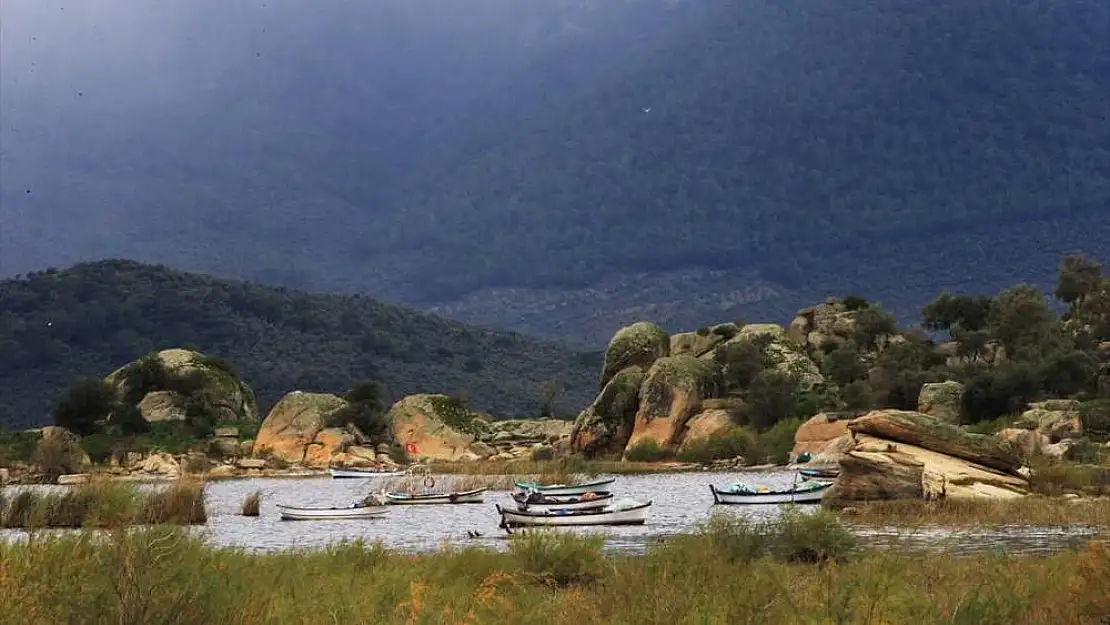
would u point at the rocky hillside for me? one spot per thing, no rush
(93, 318)
(708, 394)
(565, 168)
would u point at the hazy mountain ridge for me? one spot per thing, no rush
(445, 156)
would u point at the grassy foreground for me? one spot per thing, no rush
(804, 569)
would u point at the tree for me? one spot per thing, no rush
(1020, 319)
(741, 361)
(843, 366)
(1077, 279)
(770, 398)
(84, 403)
(365, 409)
(549, 390)
(953, 313)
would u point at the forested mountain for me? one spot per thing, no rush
(562, 168)
(93, 318)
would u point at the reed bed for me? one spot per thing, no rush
(102, 504)
(797, 571)
(1031, 510)
(252, 504)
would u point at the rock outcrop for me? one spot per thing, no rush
(605, 426)
(295, 430)
(59, 452)
(943, 400)
(781, 352)
(434, 427)
(637, 345)
(671, 393)
(213, 380)
(890, 449)
(706, 425)
(1057, 419)
(815, 435)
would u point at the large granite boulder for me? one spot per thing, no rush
(606, 424)
(296, 430)
(203, 377)
(781, 352)
(813, 436)
(704, 426)
(672, 393)
(1057, 419)
(637, 345)
(892, 448)
(434, 427)
(943, 400)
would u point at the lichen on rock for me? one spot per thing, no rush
(671, 393)
(605, 425)
(639, 345)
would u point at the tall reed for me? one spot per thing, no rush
(102, 503)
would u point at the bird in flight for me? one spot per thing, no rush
(647, 110)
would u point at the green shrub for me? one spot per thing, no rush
(647, 450)
(559, 559)
(729, 444)
(1095, 417)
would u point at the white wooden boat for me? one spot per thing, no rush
(470, 496)
(596, 486)
(804, 492)
(364, 473)
(353, 511)
(619, 513)
(539, 501)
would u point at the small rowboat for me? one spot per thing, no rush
(805, 492)
(597, 486)
(364, 473)
(620, 513)
(354, 511)
(470, 496)
(539, 501)
(823, 473)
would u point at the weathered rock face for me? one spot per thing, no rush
(606, 424)
(893, 448)
(827, 323)
(290, 432)
(671, 393)
(224, 392)
(528, 430)
(706, 425)
(59, 452)
(163, 406)
(438, 427)
(943, 400)
(915, 428)
(869, 476)
(1024, 442)
(697, 343)
(816, 433)
(786, 355)
(637, 345)
(1055, 418)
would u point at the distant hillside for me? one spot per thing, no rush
(93, 318)
(565, 167)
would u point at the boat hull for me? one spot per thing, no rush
(637, 515)
(553, 490)
(563, 503)
(773, 497)
(472, 496)
(297, 513)
(355, 473)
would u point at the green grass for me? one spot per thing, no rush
(726, 572)
(101, 504)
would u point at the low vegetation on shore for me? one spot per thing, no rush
(102, 504)
(806, 568)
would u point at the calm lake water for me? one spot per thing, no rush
(681, 501)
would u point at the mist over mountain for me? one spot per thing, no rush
(562, 168)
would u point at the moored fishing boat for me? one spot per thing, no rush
(309, 513)
(626, 512)
(539, 501)
(365, 473)
(596, 486)
(822, 473)
(805, 492)
(470, 496)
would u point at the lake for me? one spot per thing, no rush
(680, 502)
